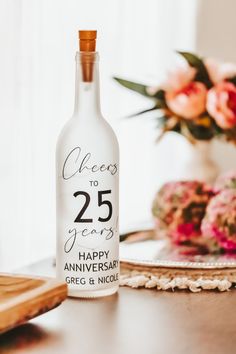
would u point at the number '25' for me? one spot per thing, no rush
(101, 201)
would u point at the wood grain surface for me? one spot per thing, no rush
(24, 297)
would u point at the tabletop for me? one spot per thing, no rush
(131, 321)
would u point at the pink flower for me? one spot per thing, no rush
(221, 104)
(178, 209)
(219, 223)
(184, 232)
(179, 78)
(188, 102)
(219, 71)
(176, 79)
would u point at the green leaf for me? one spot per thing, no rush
(133, 86)
(161, 121)
(142, 112)
(197, 63)
(160, 99)
(192, 59)
(160, 104)
(160, 95)
(232, 79)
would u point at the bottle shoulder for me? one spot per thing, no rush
(90, 132)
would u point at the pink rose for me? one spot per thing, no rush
(221, 104)
(179, 78)
(188, 102)
(176, 79)
(218, 224)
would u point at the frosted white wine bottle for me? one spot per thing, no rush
(87, 172)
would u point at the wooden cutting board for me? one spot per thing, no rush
(25, 297)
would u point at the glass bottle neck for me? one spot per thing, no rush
(87, 92)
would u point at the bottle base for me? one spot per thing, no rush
(93, 293)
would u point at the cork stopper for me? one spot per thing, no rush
(87, 46)
(87, 41)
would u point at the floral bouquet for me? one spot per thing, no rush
(219, 223)
(198, 100)
(179, 208)
(191, 213)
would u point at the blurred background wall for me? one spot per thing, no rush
(136, 40)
